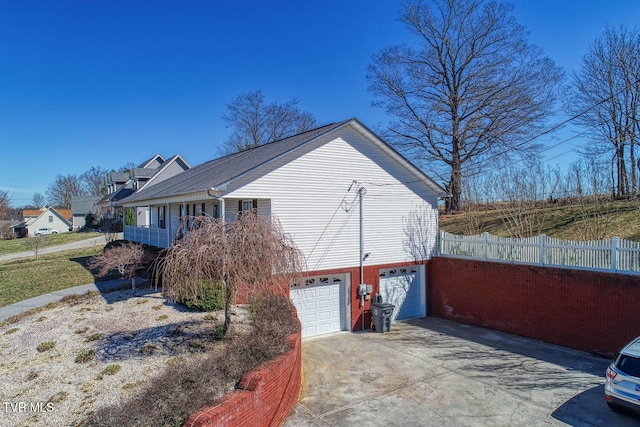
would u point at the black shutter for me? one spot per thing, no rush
(239, 205)
(255, 204)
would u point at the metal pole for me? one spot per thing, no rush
(361, 253)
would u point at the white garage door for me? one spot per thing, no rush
(404, 288)
(320, 303)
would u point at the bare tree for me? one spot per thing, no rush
(248, 256)
(126, 259)
(4, 202)
(63, 188)
(127, 167)
(254, 122)
(93, 181)
(36, 243)
(470, 89)
(38, 200)
(605, 97)
(527, 194)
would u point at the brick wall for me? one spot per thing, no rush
(264, 397)
(590, 311)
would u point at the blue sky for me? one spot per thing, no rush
(97, 83)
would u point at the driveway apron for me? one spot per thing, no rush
(434, 372)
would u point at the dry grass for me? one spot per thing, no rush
(114, 363)
(622, 218)
(169, 398)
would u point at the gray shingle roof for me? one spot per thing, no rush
(218, 171)
(82, 205)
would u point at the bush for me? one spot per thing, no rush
(44, 346)
(210, 297)
(85, 356)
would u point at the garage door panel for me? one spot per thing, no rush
(319, 304)
(404, 288)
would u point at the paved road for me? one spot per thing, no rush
(87, 243)
(433, 372)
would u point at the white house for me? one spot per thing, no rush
(353, 205)
(45, 217)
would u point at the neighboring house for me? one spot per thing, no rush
(80, 207)
(45, 217)
(122, 184)
(313, 183)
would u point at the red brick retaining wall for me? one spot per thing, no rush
(264, 397)
(590, 311)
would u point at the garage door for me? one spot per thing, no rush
(404, 288)
(320, 303)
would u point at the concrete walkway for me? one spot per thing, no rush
(87, 243)
(42, 300)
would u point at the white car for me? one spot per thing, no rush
(43, 231)
(622, 381)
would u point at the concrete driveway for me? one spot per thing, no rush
(433, 372)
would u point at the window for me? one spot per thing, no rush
(161, 217)
(50, 218)
(248, 206)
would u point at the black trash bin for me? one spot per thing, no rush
(381, 313)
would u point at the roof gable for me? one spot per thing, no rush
(218, 173)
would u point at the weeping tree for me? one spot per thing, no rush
(247, 257)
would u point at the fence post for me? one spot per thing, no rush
(614, 253)
(541, 238)
(485, 245)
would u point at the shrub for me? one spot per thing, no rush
(110, 370)
(93, 337)
(44, 346)
(210, 297)
(85, 356)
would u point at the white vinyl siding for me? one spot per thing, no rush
(308, 190)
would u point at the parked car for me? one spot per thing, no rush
(43, 231)
(622, 382)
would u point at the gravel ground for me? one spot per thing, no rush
(61, 363)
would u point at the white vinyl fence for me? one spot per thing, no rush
(613, 255)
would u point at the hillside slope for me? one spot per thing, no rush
(574, 222)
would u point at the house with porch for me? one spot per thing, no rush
(360, 212)
(122, 184)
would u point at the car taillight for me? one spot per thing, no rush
(611, 373)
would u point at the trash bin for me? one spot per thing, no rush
(381, 313)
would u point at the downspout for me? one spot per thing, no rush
(222, 203)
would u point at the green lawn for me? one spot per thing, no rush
(26, 278)
(19, 245)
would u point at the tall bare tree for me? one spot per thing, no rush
(63, 188)
(254, 122)
(93, 180)
(250, 255)
(605, 94)
(4, 202)
(38, 200)
(470, 88)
